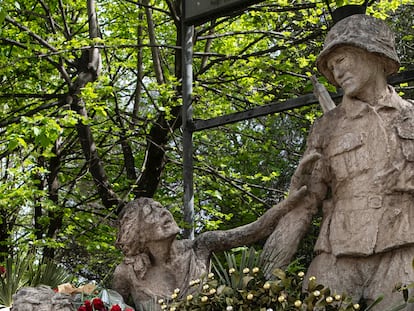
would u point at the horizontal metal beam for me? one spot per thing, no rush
(280, 106)
(197, 12)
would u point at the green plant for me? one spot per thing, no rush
(13, 278)
(47, 273)
(243, 287)
(24, 270)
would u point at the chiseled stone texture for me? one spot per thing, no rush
(41, 298)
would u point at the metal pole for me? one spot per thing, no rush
(187, 117)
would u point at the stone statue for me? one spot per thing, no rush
(156, 263)
(41, 298)
(364, 179)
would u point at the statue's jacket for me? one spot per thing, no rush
(367, 165)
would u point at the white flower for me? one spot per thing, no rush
(246, 270)
(255, 270)
(229, 308)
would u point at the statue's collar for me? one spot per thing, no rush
(357, 108)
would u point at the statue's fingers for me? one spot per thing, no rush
(307, 164)
(297, 195)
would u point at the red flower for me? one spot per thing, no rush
(98, 304)
(129, 309)
(2, 270)
(88, 305)
(115, 308)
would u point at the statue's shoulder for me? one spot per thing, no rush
(407, 108)
(410, 102)
(329, 119)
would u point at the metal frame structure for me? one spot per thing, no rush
(200, 12)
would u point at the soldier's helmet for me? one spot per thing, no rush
(362, 31)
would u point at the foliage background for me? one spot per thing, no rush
(77, 142)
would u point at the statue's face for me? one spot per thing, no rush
(158, 222)
(354, 69)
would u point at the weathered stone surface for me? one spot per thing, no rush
(41, 298)
(364, 179)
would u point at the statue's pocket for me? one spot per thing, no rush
(405, 132)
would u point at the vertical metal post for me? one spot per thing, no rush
(187, 117)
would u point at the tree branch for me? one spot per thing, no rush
(89, 73)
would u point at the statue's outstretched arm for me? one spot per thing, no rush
(262, 227)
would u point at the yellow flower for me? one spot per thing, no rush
(189, 297)
(266, 285)
(205, 286)
(255, 270)
(212, 291)
(204, 299)
(161, 301)
(301, 274)
(316, 293)
(211, 275)
(356, 306)
(176, 291)
(250, 296)
(329, 299)
(312, 278)
(246, 270)
(338, 297)
(173, 296)
(281, 298)
(172, 309)
(298, 303)
(229, 308)
(232, 270)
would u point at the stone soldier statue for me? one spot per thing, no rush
(364, 179)
(156, 263)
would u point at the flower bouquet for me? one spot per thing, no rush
(89, 298)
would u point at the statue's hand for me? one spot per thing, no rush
(303, 174)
